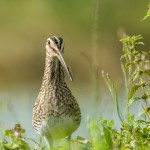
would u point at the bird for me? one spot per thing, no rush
(56, 112)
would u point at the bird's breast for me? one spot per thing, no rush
(58, 127)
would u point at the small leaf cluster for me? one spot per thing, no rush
(133, 134)
(17, 141)
(96, 139)
(137, 70)
(148, 13)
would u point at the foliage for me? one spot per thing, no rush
(15, 139)
(136, 71)
(133, 134)
(148, 13)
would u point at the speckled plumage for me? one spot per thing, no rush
(56, 113)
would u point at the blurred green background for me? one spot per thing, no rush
(24, 28)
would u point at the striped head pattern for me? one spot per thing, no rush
(55, 47)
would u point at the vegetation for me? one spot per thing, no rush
(148, 12)
(134, 132)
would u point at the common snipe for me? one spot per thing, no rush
(56, 113)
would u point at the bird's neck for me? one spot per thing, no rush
(53, 73)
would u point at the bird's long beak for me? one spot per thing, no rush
(64, 64)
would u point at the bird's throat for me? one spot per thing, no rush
(53, 73)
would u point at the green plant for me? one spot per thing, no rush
(148, 13)
(14, 139)
(134, 134)
(137, 67)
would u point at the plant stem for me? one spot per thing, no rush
(95, 66)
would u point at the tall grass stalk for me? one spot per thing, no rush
(113, 88)
(95, 52)
(126, 86)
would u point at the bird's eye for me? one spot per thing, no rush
(56, 42)
(49, 42)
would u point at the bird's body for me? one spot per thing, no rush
(56, 113)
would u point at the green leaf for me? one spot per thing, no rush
(22, 144)
(143, 52)
(137, 37)
(128, 64)
(125, 55)
(133, 100)
(111, 123)
(107, 136)
(133, 90)
(141, 121)
(144, 96)
(82, 140)
(136, 74)
(11, 147)
(145, 17)
(148, 13)
(139, 43)
(8, 132)
(101, 119)
(147, 72)
(22, 131)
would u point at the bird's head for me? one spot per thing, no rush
(55, 47)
